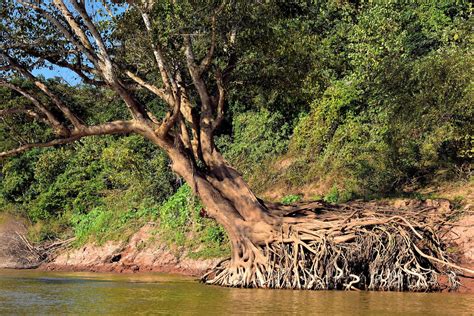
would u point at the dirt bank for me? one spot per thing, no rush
(142, 253)
(461, 239)
(15, 252)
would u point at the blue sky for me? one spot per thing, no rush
(64, 73)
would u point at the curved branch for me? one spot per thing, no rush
(206, 62)
(100, 59)
(171, 117)
(152, 88)
(159, 57)
(79, 69)
(52, 143)
(198, 82)
(102, 54)
(116, 127)
(59, 4)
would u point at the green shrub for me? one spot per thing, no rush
(95, 224)
(335, 195)
(180, 218)
(256, 138)
(402, 114)
(288, 199)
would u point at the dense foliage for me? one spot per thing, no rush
(365, 97)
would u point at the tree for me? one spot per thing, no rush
(183, 53)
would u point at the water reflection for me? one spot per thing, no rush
(26, 292)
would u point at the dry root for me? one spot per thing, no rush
(349, 249)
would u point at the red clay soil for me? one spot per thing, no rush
(461, 238)
(467, 284)
(142, 253)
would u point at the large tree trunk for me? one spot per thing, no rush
(315, 245)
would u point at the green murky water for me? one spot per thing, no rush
(33, 292)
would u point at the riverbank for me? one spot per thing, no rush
(144, 251)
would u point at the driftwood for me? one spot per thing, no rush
(45, 251)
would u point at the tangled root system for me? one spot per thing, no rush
(349, 247)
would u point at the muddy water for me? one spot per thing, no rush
(33, 292)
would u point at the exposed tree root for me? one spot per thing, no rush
(349, 247)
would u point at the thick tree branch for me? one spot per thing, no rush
(184, 135)
(100, 60)
(103, 54)
(152, 88)
(59, 4)
(206, 111)
(193, 119)
(220, 101)
(205, 149)
(59, 59)
(171, 117)
(116, 127)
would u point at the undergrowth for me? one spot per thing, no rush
(179, 223)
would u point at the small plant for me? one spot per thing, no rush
(96, 223)
(457, 202)
(292, 198)
(332, 196)
(337, 196)
(176, 214)
(180, 218)
(141, 245)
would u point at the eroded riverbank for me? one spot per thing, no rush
(144, 252)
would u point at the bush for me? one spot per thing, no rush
(404, 112)
(256, 138)
(288, 199)
(180, 218)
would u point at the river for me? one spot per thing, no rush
(34, 292)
